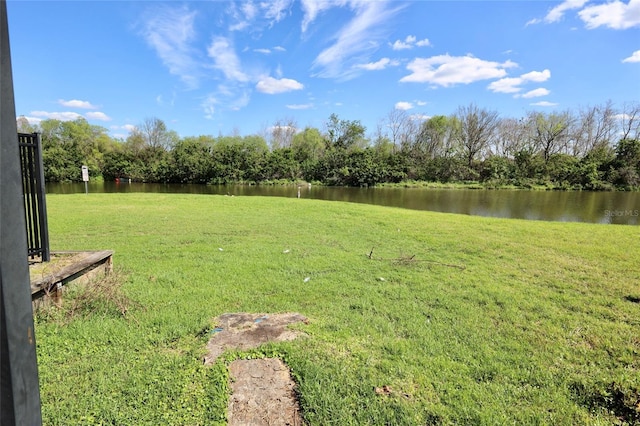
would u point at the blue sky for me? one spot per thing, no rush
(216, 67)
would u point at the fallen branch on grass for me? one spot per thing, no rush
(412, 258)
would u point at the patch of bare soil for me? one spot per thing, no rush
(248, 331)
(263, 392)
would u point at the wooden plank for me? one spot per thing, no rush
(70, 272)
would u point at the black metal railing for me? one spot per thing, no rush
(34, 197)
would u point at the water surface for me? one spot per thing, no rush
(560, 206)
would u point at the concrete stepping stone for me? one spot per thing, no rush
(263, 393)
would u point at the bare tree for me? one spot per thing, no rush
(630, 121)
(594, 128)
(403, 129)
(477, 128)
(24, 126)
(394, 121)
(282, 133)
(156, 135)
(510, 138)
(549, 132)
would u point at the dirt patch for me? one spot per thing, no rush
(39, 269)
(263, 394)
(248, 331)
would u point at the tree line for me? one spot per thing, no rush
(595, 148)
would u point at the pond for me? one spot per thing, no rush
(561, 206)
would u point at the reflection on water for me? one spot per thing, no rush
(579, 206)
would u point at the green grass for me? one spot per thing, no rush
(541, 326)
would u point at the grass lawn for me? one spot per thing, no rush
(539, 324)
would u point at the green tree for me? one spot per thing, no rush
(308, 145)
(121, 163)
(238, 159)
(497, 169)
(281, 164)
(627, 163)
(345, 134)
(67, 145)
(434, 138)
(192, 160)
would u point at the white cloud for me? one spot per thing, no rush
(226, 60)
(280, 49)
(32, 120)
(406, 44)
(62, 116)
(544, 104)
(228, 96)
(274, 86)
(300, 106)
(129, 127)
(621, 116)
(250, 10)
(446, 70)
(75, 103)
(170, 31)
(275, 10)
(240, 100)
(616, 15)
(378, 65)
(312, 8)
(635, 57)
(356, 40)
(209, 106)
(511, 84)
(537, 76)
(283, 129)
(160, 100)
(409, 43)
(265, 51)
(535, 93)
(506, 85)
(96, 115)
(557, 12)
(259, 14)
(403, 106)
(421, 103)
(419, 117)
(243, 17)
(67, 116)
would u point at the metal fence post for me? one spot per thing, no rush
(42, 202)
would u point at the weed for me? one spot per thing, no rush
(101, 296)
